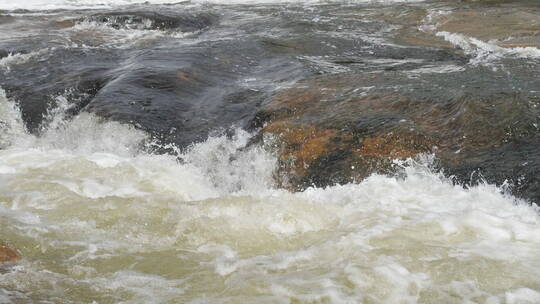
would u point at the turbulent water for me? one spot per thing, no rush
(113, 191)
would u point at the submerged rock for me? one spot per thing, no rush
(185, 21)
(510, 25)
(328, 130)
(8, 254)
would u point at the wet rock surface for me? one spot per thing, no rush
(169, 20)
(330, 131)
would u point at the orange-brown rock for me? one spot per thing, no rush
(184, 75)
(66, 23)
(301, 146)
(8, 254)
(319, 143)
(329, 131)
(394, 146)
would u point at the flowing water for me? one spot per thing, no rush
(113, 191)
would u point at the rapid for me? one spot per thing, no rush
(109, 203)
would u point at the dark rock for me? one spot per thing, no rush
(184, 21)
(74, 73)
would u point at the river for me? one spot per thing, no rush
(270, 152)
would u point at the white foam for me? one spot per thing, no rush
(437, 69)
(207, 226)
(15, 59)
(145, 286)
(73, 4)
(100, 4)
(429, 23)
(90, 34)
(522, 295)
(486, 52)
(10, 121)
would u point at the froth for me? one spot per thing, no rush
(15, 59)
(206, 225)
(10, 121)
(485, 52)
(99, 4)
(408, 238)
(84, 34)
(77, 4)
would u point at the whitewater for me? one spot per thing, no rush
(97, 4)
(114, 224)
(103, 211)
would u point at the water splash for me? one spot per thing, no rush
(486, 52)
(16, 59)
(94, 34)
(102, 220)
(103, 4)
(10, 121)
